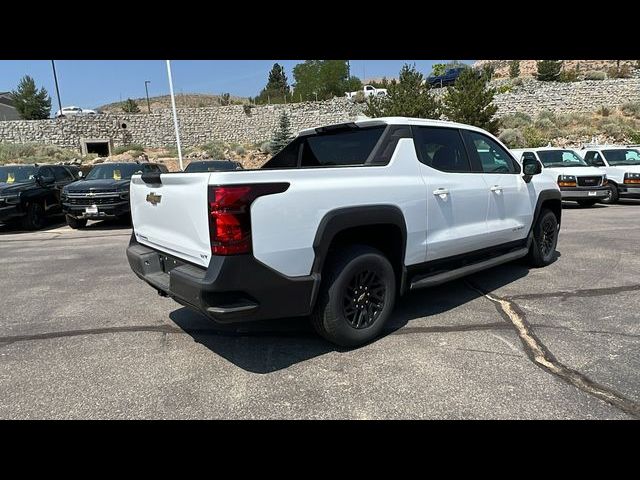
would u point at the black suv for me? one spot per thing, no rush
(32, 192)
(103, 193)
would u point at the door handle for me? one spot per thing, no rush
(441, 191)
(496, 188)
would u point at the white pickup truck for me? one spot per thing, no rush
(368, 91)
(578, 181)
(622, 167)
(340, 223)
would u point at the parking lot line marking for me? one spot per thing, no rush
(542, 357)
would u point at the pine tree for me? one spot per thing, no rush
(130, 106)
(514, 68)
(30, 103)
(277, 86)
(408, 97)
(549, 70)
(470, 101)
(282, 135)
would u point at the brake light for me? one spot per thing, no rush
(230, 216)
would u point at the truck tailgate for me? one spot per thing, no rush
(173, 216)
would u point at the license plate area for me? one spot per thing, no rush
(592, 194)
(92, 210)
(168, 263)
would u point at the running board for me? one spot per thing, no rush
(439, 278)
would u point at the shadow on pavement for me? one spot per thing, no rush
(58, 221)
(271, 345)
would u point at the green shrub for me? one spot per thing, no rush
(239, 149)
(35, 153)
(612, 129)
(214, 149)
(549, 70)
(517, 82)
(505, 88)
(546, 114)
(514, 68)
(634, 136)
(130, 106)
(266, 147)
(515, 120)
(593, 75)
(631, 109)
(544, 124)
(125, 148)
(604, 111)
(513, 138)
(619, 72)
(568, 76)
(533, 138)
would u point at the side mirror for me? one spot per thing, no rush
(531, 166)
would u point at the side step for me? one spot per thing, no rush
(443, 277)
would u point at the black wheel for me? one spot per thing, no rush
(356, 297)
(124, 219)
(34, 219)
(613, 194)
(545, 238)
(76, 223)
(587, 203)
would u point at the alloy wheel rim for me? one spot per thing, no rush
(548, 236)
(364, 299)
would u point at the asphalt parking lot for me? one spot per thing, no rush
(82, 337)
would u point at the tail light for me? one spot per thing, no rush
(230, 216)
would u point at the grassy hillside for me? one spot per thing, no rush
(186, 100)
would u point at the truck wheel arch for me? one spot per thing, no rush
(551, 200)
(359, 222)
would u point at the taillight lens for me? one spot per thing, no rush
(230, 217)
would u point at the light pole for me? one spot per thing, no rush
(55, 79)
(147, 82)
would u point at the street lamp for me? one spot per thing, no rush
(55, 78)
(147, 82)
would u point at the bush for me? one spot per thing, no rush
(513, 138)
(549, 70)
(604, 111)
(634, 136)
(515, 120)
(359, 97)
(130, 106)
(214, 149)
(546, 114)
(224, 99)
(544, 124)
(631, 109)
(239, 149)
(35, 153)
(574, 118)
(505, 88)
(533, 138)
(593, 75)
(266, 147)
(620, 72)
(514, 68)
(612, 129)
(125, 148)
(517, 82)
(568, 76)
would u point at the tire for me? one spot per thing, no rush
(346, 317)
(614, 195)
(124, 219)
(587, 203)
(542, 251)
(76, 223)
(34, 219)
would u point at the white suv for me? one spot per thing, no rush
(578, 181)
(622, 167)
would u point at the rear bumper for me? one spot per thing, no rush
(583, 193)
(104, 211)
(629, 191)
(235, 288)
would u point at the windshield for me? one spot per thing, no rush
(116, 171)
(210, 166)
(622, 156)
(560, 158)
(17, 174)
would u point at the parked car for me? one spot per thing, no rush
(212, 166)
(449, 77)
(30, 193)
(103, 193)
(622, 167)
(578, 181)
(69, 111)
(368, 91)
(340, 222)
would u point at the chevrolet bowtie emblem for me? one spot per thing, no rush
(154, 198)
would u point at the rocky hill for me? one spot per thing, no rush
(183, 100)
(528, 67)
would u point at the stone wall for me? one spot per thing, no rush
(233, 124)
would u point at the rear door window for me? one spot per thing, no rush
(441, 148)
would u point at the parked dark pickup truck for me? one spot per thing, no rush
(448, 78)
(103, 193)
(30, 193)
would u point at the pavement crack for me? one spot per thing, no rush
(446, 328)
(543, 358)
(587, 292)
(600, 332)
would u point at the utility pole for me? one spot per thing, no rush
(147, 82)
(55, 79)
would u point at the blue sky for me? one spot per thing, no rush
(91, 83)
